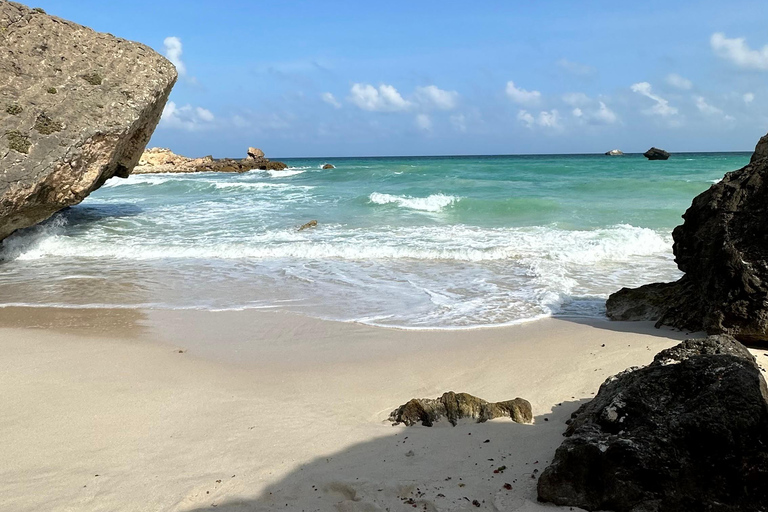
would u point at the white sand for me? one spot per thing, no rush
(268, 411)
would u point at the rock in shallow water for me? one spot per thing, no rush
(687, 433)
(656, 154)
(722, 247)
(76, 108)
(455, 406)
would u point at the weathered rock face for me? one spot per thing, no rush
(162, 160)
(255, 153)
(761, 150)
(76, 108)
(687, 433)
(455, 406)
(723, 249)
(656, 154)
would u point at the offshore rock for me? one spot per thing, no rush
(163, 160)
(656, 154)
(76, 108)
(328, 166)
(721, 247)
(455, 406)
(255, 153)
(614, 152)
(689, 432)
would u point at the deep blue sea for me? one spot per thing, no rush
(414, 242)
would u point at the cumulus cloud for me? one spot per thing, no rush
(545, 119)
(526, 118)
(186, 118)
(432, 95)
(423, 122)
(662, 106)
(575, 68)
(738, 52)
(589, 110)
(173, 50)
(330, 99)
(748, 98)
(706, 108)
(679, 82)
(522, 96)
(385, 98)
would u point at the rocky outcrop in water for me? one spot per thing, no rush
(687, 433)
(328, 166)
(614, 152)
(76, 108)
(163, 160)
(722, 248)
(656, 154)
(455, 406)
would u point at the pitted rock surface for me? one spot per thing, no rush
(77, 107)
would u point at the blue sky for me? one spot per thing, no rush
(343, 78)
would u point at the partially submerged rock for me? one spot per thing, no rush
(328, 166)
(721, 248)
(310, 224)
(163, 160)
(656, 154)
(689, 432)
(76, 108)
(614, 152)
(455, 406)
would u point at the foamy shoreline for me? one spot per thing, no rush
(262, 409)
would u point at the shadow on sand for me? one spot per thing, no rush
(427, 469)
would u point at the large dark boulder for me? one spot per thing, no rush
(722, 247)
(76, 108)
(761, 150)
(656, 154)
(689, 432)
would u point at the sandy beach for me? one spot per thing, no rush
(260, 410)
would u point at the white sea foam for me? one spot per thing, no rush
(139, 179)
(286, 172)
(432, 203)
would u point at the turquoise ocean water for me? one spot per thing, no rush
(427, 242)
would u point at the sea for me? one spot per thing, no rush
(453, 242)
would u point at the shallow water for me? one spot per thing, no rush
(449, 242)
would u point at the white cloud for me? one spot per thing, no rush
(575, 68)
(204, 114)
(522, 96)
(706, 108)
(576, 99)
(330, 99)
(459, 122)
(173, 52)
(577, 112)
(546, 119)
(739, 53)
(525, 117)
(186, 118)
(604, 114)
(549, 119)
(433, 95)
(748, 98)
(424, 122)
(662, 107)
(679, 82)
(384, 99)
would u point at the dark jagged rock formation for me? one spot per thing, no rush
(328, 166)
(689, 432)
(162, 160)
(723, 249)
(656, 154)
(455, 406)
(76, 108)
(761, 150)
